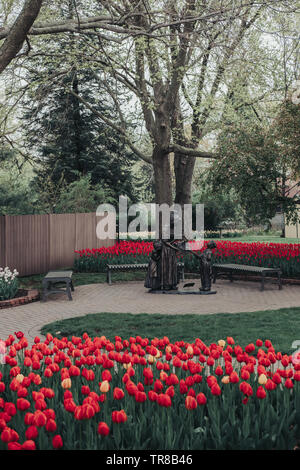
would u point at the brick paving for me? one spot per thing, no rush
(132, 297)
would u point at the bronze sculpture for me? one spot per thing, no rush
(162, 269)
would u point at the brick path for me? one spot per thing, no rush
(132, 297)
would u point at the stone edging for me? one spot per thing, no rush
(31, 296)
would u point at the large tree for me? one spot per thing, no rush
(175, 60)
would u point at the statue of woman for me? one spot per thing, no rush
(206, 267)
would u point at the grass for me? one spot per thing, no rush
(260, 239)
(282, 327)
(35, 281)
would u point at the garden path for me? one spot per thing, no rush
(132, 297)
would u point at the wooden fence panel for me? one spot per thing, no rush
(62, 240)
(2, 242)
(34, 244)
(27, 243)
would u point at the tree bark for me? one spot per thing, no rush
(183, 168)
(162, 176)
(18, 32)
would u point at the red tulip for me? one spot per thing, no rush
(57, 442)
(140, 397)
(14, 446)
(164, 400)
(23, 404)
(31, 432)
(10, 408)
(51, 425)
(103, 429)
(289, 383)
(261, 393)
(215, 389)
(190, 403)
(28, 445)
(40, 419)
(119, 416)
(118, 393)
(201, 399)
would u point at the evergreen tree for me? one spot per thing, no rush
(67, 140)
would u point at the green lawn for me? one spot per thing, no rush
(261, 239)
(282, 327)
(35, 281)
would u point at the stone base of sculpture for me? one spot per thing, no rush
(183, 292)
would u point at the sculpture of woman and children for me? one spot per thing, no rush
(162, 274)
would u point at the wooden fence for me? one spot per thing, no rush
(33, 244)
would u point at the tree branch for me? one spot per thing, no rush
(191, 152)
(17, 34)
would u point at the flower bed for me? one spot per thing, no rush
(22, 297)
(281, 255)
(8, 283)
(137, 393)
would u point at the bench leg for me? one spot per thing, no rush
(72, 287)
(45, 288)
(108, 277)
(69, 290)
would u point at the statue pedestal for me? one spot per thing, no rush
(182, 292)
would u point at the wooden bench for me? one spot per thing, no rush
(53, 279)
(231, 269)
(136, 267)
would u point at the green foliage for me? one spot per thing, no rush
(16, 197)
(82, 196)
(67, 139)
(253, 164)
(220, 208)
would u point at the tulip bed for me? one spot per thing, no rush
(281, 255)
(137, 393)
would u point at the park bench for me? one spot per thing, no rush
(53, 279)
(231, 269)
(136, 267)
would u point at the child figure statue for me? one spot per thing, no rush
(206, 267)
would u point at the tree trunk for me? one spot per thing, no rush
(184, 168)
(162, 177)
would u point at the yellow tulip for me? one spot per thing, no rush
(163, 375)
(189, 350)
(104, 387)
(66, 383)
(262, 379)
(127, 366)
(221, 343)
(20, 378)
(151, 359)
(225, 379)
